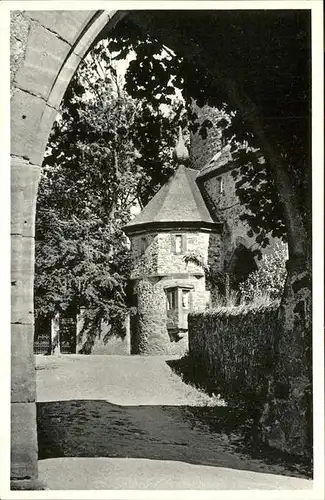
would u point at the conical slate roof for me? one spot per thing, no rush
(178, 201)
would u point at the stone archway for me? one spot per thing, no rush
(47, 47)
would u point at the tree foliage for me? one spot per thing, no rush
(86, 192)
(113, 146)
(256, 65)
(268, 280)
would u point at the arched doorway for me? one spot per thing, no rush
(241, 265)
(48, 47)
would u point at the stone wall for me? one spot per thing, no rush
(200, 299)
(226, 208)
(215, 252)
(202, 150)
(169, 262)
(111, 346)
(155, 267)
(104, 342)
(149, 334)
(144, 260)
(19, 29)
(249, 354)
(226, 202)
(46, 48)
(155, 263)
(288, 415)
(159, 259)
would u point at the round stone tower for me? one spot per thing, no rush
(165, 288)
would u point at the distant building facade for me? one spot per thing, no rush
(218, 188)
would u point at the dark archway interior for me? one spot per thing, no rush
(261, 48)
(241, 265)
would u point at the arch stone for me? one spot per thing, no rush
(55, 44)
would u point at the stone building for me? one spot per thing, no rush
(165, 288)
(194, 213)
(217, 186)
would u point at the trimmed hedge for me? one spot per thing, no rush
(233, 349)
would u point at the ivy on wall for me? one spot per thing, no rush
(234, 349)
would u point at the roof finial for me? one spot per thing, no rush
(181, 152)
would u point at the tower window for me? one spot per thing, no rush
(186, 299)
(179, 243)
(171, 296)
(143, 245)
(221, 185)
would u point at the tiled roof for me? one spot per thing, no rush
(179, 200)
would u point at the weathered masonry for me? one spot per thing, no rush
(177, 223)
(218, 187)
(165, 288)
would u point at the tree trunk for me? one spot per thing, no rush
(286, 422)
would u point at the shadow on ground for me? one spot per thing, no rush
(197, 435)
(240, 422)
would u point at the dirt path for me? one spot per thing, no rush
(135, 408)
(121, 380)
